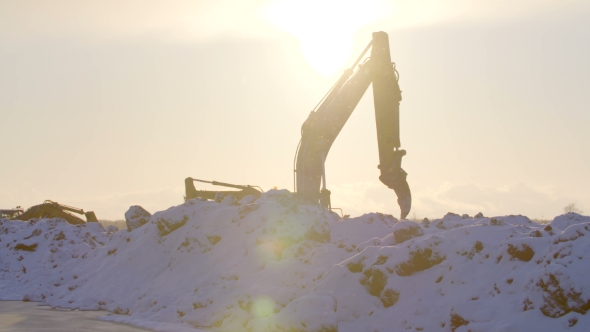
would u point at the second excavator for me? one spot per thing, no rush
(245, 190)
(327, 120)
(51, 209)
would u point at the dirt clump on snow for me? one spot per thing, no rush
(521, 252)
(136, 217)
(406, 230)
(559, 301)
(420, 260)
(21, 246)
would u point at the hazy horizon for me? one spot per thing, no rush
(110, 104)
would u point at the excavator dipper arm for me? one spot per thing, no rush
(323, 126)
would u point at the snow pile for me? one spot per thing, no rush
(35, 255)
(274, 264)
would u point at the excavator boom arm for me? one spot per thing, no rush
(65, 207)
(191, 192)
(323, 126)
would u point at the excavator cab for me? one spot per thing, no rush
(328, 118)
(11, 213)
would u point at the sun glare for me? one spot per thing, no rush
(325, 29)
(263, 306)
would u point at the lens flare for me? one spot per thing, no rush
(325, 29)
(263, 306)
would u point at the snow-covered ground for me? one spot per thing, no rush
(18, 316)
(274, 264)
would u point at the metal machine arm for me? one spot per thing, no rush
(51, 209)
(324, 124)
(245, 190)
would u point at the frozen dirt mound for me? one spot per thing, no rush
(274, 264)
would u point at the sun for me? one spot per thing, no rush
(325, 29)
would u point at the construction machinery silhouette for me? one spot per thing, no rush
(326, 121)
(51, 209)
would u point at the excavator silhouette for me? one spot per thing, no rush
(245, 190)
(326, 121)
(51, 209)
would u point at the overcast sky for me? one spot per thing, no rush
(107, 104)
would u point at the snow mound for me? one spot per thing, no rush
(274, 264)
(35, 254)
(564, 221)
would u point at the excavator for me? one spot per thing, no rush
(245, 190)
(325, 122)
(51, 209)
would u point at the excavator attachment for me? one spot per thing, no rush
(326, 121)
(395, 178)
(245, 190)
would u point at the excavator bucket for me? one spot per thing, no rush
(394, 177)
(400, 186)
(90, 216)
(404, 198)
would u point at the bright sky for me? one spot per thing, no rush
(107, 104)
